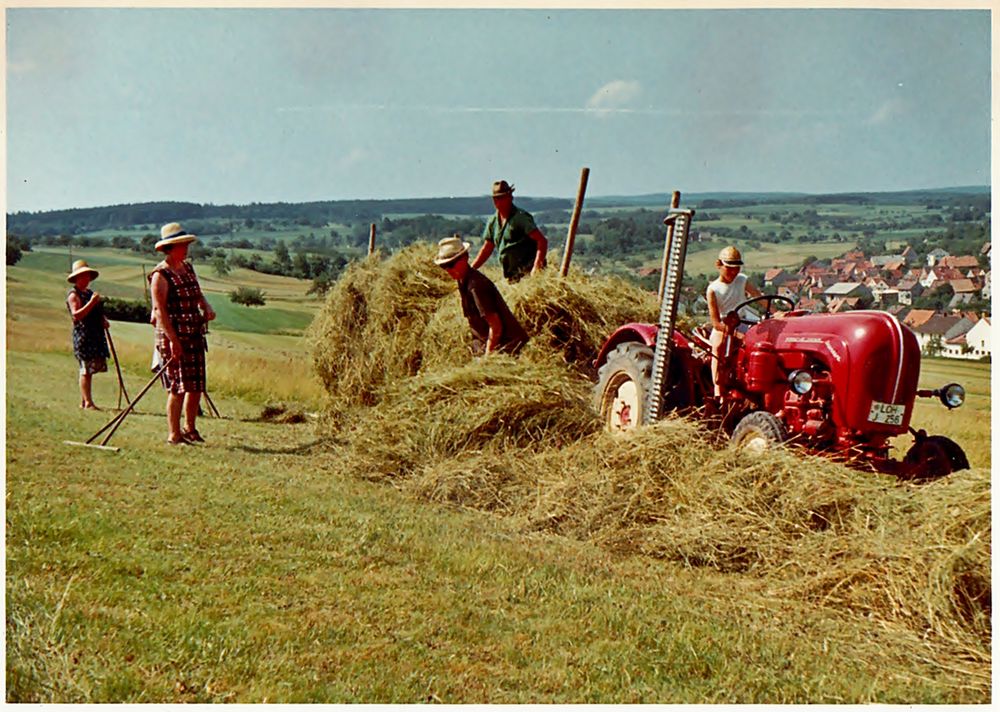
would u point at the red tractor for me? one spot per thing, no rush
(839, 384)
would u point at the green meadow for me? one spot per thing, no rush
(260, 567)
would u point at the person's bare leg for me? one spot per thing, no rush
(86, 398)
(191, 404)
(175, 402)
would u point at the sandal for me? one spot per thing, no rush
(182, 441)
(192, 436)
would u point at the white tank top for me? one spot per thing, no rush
(727, 296)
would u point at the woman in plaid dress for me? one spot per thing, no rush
(181, 315)
(89, 344)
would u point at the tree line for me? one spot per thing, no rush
(217, 219)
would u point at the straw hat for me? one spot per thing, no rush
(173, 234)
(501, 187)
(730, 257)
(450, 249)
(79, 267)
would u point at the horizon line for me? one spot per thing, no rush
(953, 188)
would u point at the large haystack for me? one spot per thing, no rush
(568, 319)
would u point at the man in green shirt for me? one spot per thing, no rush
(513, 231)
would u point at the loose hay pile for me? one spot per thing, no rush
(568, 319)
(516, 436)
(370, 332)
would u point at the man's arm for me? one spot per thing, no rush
(496, 331)
(543, 248)
(484, 254)
(751, 289)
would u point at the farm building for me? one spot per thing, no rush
(843, 290)
(935, 255)
(961, 262)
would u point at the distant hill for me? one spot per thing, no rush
(321, 213)
(755, 198)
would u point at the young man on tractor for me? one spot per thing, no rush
(723, 295)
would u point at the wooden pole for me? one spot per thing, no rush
(574, 222)
(145, 288)
(371, 239)
(675, 202)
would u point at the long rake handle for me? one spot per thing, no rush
(118, 370)
(212, 405)
(116, 421)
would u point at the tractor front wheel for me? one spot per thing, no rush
(622, 384)
(934, 457)
(758, 431)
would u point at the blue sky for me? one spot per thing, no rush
(122, 105)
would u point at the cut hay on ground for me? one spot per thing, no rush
(805, 528)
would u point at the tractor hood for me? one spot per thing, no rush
(872, 358)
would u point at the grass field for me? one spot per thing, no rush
(259, 568)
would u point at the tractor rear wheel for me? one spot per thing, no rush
(758, 431)
(934, 457)
(622, 384)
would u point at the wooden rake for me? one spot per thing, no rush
(117, 420)
(118, 370)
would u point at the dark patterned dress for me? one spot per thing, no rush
(89, 343)
(186, 375)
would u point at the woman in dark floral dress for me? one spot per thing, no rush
(89, 343)
(181, 315)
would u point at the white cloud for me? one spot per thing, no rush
(887, 111)
(614, 96)
(354, 157)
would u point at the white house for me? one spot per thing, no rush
(978, 340)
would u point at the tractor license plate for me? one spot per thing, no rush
(886, 413)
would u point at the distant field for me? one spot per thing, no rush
(701, 256)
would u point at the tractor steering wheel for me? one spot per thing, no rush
(769, 298)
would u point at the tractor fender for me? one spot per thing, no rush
(642, 333)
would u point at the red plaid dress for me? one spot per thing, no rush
(186, 375)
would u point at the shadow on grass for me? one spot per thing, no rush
(307, 448)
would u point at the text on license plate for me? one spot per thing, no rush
(886, 413)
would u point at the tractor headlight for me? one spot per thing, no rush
(802, 382)
(953, 395)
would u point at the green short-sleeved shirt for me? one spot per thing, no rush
(517, 250)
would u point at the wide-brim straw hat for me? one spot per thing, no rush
(80, 267)
(502, 187)
(450, 249)
(730, 257)
(173, 234)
